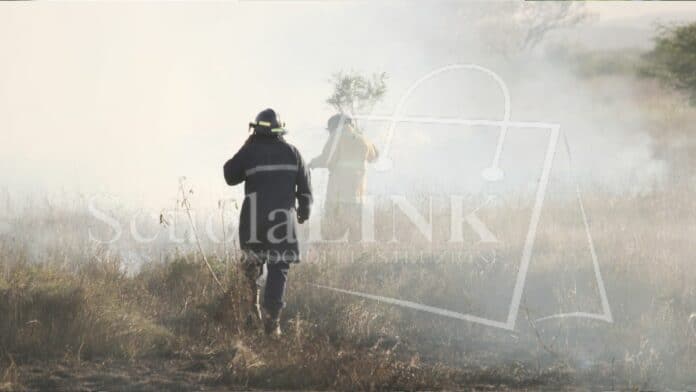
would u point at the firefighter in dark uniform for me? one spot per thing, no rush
(278, 192)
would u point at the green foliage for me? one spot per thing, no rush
(673, 59)
(354, 92)
(596, 63)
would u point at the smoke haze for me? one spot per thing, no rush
(124, 98)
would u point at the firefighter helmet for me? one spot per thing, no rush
(336, 120)
(268, 120)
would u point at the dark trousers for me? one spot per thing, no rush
(276, 281)
(274, 292)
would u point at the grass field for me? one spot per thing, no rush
(74, 319)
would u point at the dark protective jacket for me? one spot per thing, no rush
(275, 178)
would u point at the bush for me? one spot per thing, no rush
(673, 60)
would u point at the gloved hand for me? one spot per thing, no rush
(301, 219)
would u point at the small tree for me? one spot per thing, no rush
(513, 27)
(673, 59)
(355, 93)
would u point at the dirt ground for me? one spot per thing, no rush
(175, 374)
(154, 374)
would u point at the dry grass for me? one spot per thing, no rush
(77, 314)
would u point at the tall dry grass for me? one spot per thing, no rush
(76, 303)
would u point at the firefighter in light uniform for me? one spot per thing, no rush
(345, 155)
(277, 191)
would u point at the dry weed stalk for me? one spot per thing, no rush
(186, 205)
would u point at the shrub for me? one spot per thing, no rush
(673, 59)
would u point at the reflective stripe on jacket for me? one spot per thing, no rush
(276, 186)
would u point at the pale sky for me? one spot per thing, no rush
(124, 97)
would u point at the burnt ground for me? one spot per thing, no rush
(176, 374)
(122, 375)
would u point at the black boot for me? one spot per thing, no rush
(272, 324)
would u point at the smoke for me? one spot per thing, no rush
(607, 135)
(151, 93)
